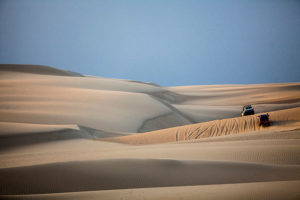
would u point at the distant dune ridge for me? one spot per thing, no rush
(36, 69)
(63, 135)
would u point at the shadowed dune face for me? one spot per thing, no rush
(11, 128)
(120, 174)
(16, 135)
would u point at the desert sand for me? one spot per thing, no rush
(65, 135)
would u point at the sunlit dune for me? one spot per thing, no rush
(282, 120)
(65, 135)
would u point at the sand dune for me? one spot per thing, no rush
(68, 136)
(209, 102)
(118, 174)
(275, 148)
(240, 94)
(40, 98)
(92, 102)
(281, 120)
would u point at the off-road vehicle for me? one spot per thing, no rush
(264, 120)
(247, 110)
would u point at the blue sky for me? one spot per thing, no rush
(168, 42)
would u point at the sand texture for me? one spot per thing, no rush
(64, 135)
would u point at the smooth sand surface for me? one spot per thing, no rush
(270, 148)
(68, 136)
(136, 173)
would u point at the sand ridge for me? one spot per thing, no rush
(280, 121)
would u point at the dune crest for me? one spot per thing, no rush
(36, 69)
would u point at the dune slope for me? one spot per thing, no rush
(97, 103)
(284, 119)
(118, 174)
